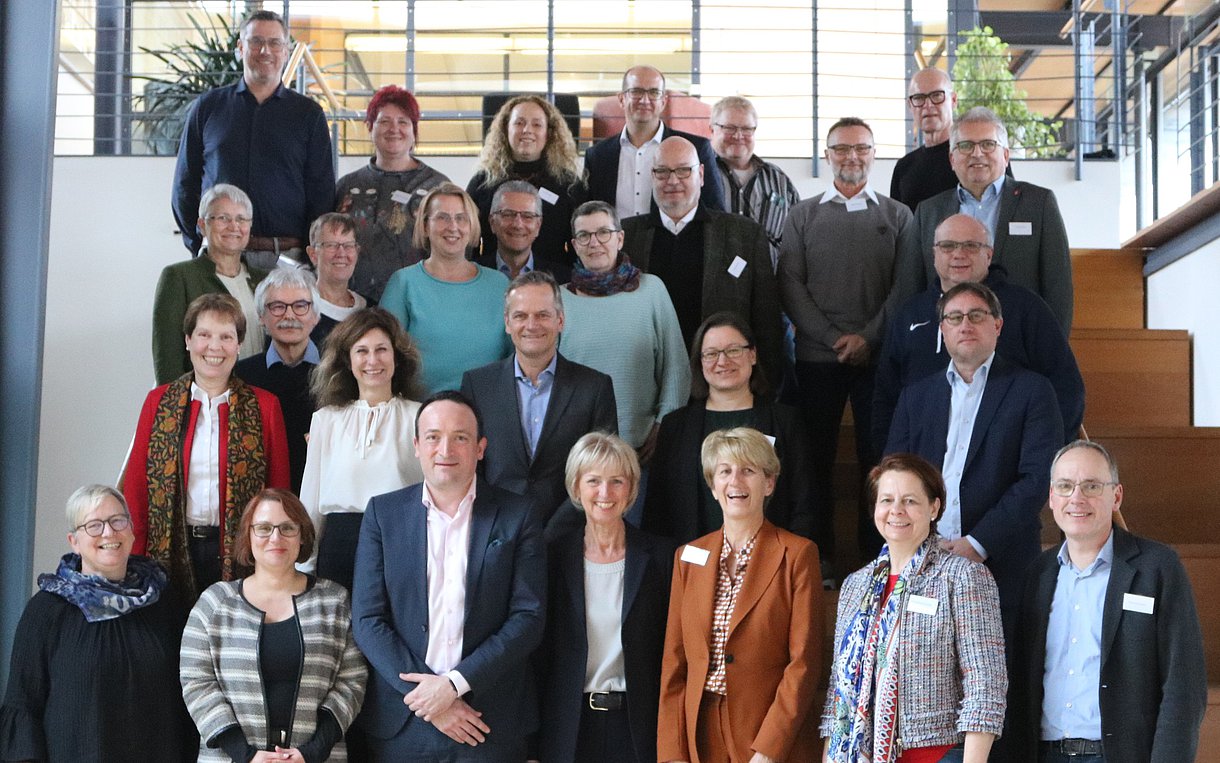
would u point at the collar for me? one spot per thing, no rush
(197, 393)
(834, 195)
(550, 367)
(657, 137)
(951, 374)
(1105, 555)
(466, 502)
(990, 192)
(502, 266)
(242, 87)
(675, 226)
(311, 355)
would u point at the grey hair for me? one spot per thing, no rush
(515, 186)
(979, 115)
(1096, 447)
(592, 208)
(289, 278)
(85, 499)
(225, 191)
(733, 102)
(535, 278)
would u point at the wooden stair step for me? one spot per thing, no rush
(1123, 366)
(1109, 288)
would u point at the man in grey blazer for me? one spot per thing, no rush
(536, 404)
(1030, 238)
(1111, 664)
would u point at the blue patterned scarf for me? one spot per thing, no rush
(101, 599)
(622, 277)
(864, 677)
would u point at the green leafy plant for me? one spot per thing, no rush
(982, 77)
(194, 68)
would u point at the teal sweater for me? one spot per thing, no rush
(457, 326)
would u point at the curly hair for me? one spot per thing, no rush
(333, 383)
(497, 160)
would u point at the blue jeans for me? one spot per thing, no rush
(1058, 757)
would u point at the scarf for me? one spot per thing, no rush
(243, 474)
(101, 599)
(622, 277)
(864, 678)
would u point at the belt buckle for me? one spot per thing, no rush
(592, 706)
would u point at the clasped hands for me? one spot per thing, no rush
(435, 700)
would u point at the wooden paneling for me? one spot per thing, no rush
(1109, 288)
(1136, 377)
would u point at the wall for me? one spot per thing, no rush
(112, 233)
(1183, 296)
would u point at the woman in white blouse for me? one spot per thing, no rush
(360, 440)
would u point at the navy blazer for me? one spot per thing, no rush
(582, 401)
(1003, 487)
(1040, 260)
(601, 165)
(505, 599)
(561, 660)
(1153, 690)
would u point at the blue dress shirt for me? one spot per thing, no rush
(964, 401)
(311, 355)
(986, 210)
(534, 400)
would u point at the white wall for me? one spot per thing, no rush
(1183, 296)
(112, 233)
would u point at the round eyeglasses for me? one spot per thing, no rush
(95, 527)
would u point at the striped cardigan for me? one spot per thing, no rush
(219, 666)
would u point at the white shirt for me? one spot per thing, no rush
(331, 310)
(675, 226)
(203, 470)
(448, 550)
(965, 398)
(604, 667)
(833, 194)
(633, 195)
(239, 287)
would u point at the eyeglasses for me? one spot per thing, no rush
(735, 130)
(919, 99)
(640, 94)
(975, 316)
(967, 146)
(663, 173)
(229, 219)
(264, 529)
(601, 234)
(1088, 488)
(512, 214)
(95, 527)
(969, 247)
(444, 218)
(274, 44)
(843, 149)
(330, 247)
(732, 352)
(300, 307)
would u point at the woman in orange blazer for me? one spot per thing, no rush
(743, 642)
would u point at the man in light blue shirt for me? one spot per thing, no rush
(516, 220)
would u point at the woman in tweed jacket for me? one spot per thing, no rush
(918, 673)
(269, 668)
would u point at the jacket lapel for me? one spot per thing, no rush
(700, 593)
(508, 384)
(573, 565)
(1010, 194)
(561, 397)
(998, 382)
(764, 563)
(1121, 577)
(633, 575)
(482, 521)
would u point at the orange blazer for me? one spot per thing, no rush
(773, 653)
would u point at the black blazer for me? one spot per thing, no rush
(582, 401)
(601, 165)
(673, 493)
(1153, 680)
(561, 659)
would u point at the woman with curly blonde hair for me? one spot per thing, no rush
(529, 140)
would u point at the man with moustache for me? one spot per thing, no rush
(334, 253)
(516, 221)
(836, 270)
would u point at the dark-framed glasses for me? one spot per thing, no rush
(735, 130)
(300, 307)
(969, 247)
(601, 234)
(273, 44)
(1088, 488)
(967, 146)
(732, 352)
(330, 247)
(95, 527)
(663, 173)
(511, 214)
(843, 149)
(975, 317)
(919, 99)
(639, 93)
(264, 529)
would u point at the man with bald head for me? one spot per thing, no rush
(619, 166)
(709, 260)
(1031, 338)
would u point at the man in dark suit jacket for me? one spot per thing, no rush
(1029, 236)
(643, 99)
(536, 404)
(709, 261)
(515, 234)
(448, 603)
(992, 427)
(1130, 683)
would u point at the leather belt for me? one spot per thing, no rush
(203, 532)
(1074, 747)
(606, 700)
(274, 243)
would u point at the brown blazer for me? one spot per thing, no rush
(774, 651)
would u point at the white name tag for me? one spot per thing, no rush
(736, 267)
(856, 205)
(922, 605)
(1020, 229)
(770, 439)
(695, 555)
(547, 195)
(1133, 602)
(402, 197)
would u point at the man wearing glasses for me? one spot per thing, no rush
(1029, 236)
(516, 221)
(1111, 665)
(993, 428)
(619, 166)
(836, 270)
(287, 302)
(264, 138)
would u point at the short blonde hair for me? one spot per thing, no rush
(87, 498)
(419, 236)
(595, 449)
(742, 446)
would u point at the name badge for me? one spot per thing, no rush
(856, 205)
(922, 605)
(770, 439)
(402, 197)
(547, 195)
(1020, 229)
(1133, 602)
(695, 555)
(736, 267)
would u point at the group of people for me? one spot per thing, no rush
(522, 471)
